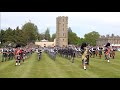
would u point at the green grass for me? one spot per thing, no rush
(61, 68)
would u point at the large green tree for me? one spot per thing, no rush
(8, 35)
(20, 37)
(30, 32)
(92, 37)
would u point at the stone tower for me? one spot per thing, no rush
(62, 31)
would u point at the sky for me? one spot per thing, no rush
(80, 22)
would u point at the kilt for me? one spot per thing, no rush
(100, 52)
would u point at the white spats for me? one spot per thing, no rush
(84, 67)
(17, 64)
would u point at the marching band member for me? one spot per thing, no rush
(84, 55)
(107, 51)
(17, 55)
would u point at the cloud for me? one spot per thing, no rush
(80, 22)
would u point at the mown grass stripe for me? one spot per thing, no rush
(60, 68)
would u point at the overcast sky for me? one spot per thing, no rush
(80, 22)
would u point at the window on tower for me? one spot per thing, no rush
(63, 29)
(63, 34)
(63, 20)
(63, 39)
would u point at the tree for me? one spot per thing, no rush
(8, 35)
(81, 41)
(53, 37)
(38, 37)
(92, 37)
(69, 29)
(30, 31)
(47, 34)
(73, 38)
(20, 37)
(2, 32)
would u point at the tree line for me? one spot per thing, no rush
(29, 33)
(90, 38)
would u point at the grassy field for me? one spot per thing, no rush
(61, 68)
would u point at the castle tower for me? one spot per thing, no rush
(62, 31)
